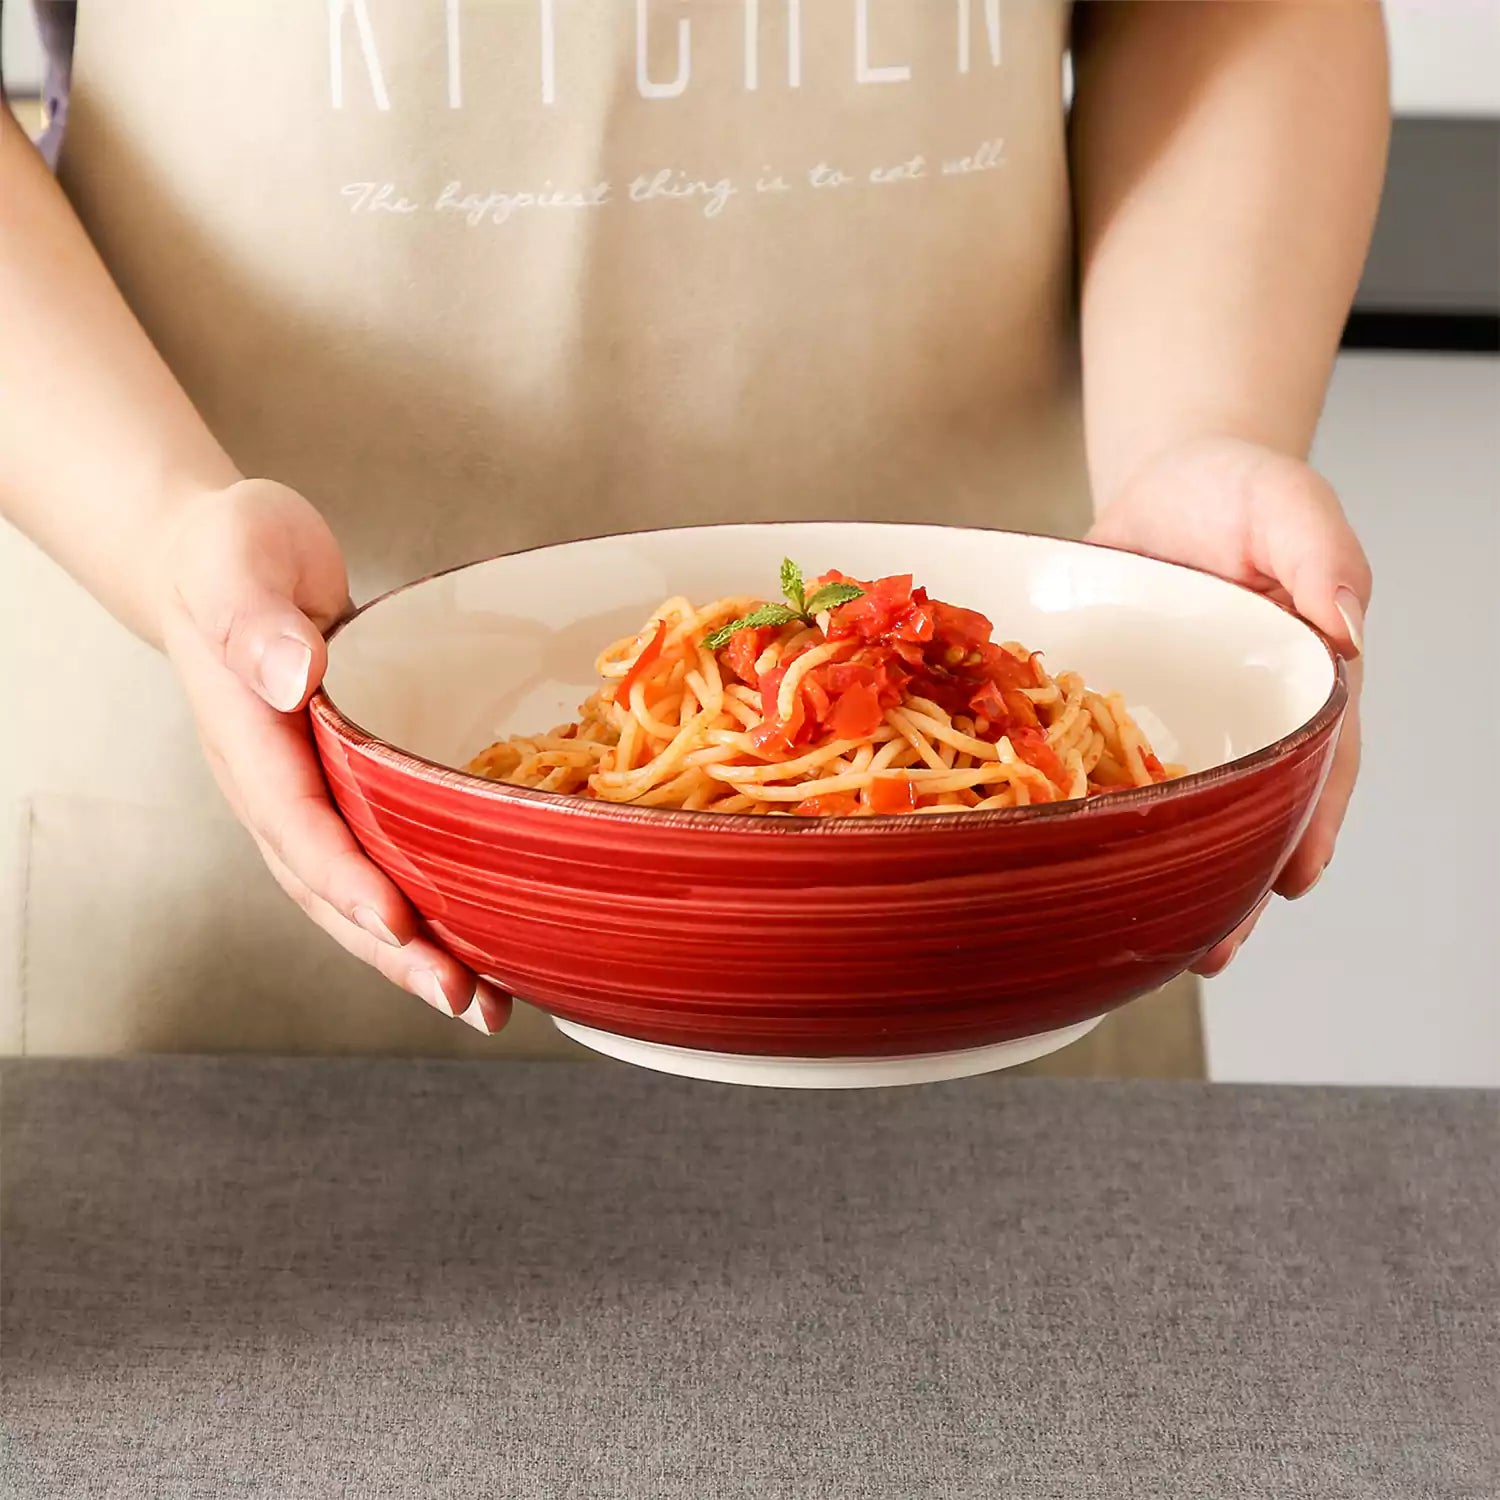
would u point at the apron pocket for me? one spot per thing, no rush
(158, 929)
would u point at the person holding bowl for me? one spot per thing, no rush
(333, 296)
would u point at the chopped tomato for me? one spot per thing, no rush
(769, 684)
(1031, 745)
(891, 795)
(916, 624)
(1020, 708)
(797, 723)
(856, 715)
(642, 664)
(871, 671)
(771, 736)
(829, 805)
(819, 704)
(1005, 670)
(961, 627)
(988, 703)
(889, 610)
(898, 642)
(743, 651)
(768, 738)
(843, 675)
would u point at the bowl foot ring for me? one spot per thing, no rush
(825, 1072)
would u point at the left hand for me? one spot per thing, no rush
(1263, 519)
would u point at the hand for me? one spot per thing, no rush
(1268, 521)
(251, 578)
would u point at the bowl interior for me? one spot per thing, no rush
(444, 666)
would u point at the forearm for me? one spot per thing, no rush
(98, 442)
(1227, 162)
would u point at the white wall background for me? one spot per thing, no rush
(20, 50)
(1445, 56)
(1387, 972)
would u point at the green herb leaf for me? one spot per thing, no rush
(798, 608)
(766, 615)
(831, 595)
(793, 586)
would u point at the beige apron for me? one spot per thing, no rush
(482, 274)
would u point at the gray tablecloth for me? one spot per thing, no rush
(373, 1279)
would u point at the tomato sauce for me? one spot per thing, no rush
(901, 644)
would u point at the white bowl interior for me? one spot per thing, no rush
(446, 666)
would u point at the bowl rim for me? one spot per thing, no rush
(321, 707)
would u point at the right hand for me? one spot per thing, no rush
(252, 576)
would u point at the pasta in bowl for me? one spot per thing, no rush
(853, 699)
(935, 853)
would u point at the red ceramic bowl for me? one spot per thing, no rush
(827, 952)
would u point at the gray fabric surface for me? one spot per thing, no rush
(357, 1278)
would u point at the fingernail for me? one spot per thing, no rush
(474, 1016)
(425, 983)
(283, 669)
(1352, 612)
(369, 919)
(496, 1005)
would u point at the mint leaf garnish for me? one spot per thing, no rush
(831, 595)
(792, 585)
(757, 619)
(798, 608)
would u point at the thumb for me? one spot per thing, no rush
(251, 580)
(257, 632)
(1302, 540)
(276, 651)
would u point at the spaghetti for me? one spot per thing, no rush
(861, 699)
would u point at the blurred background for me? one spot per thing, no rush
(1387, 975)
